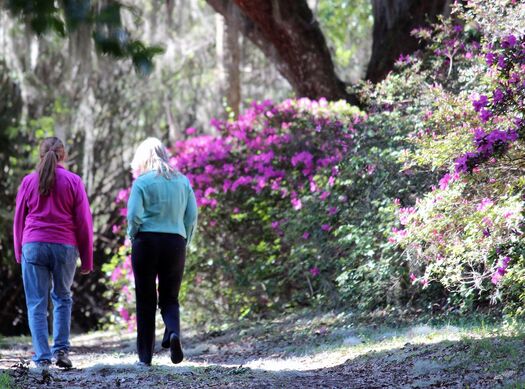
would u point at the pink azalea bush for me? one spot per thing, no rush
(466, 233)
(246, 178)
(417, 202)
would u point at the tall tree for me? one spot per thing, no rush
(287, 32)
(393, 22)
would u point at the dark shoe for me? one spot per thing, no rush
(62, 359)
(142, 364)
(175, 349)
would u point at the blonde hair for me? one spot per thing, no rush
(152, 155)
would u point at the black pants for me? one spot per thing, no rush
(153, 255)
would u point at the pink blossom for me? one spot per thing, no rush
(260, 184)
(314, 271)
(132, 323)
(498, 276)
(484, 204)
(297, 204)
(413, 277)
(209, 191)
(122, 195)
(400, 233)
(306, 235)
(326, 227)
(443, 183)
(115, 274)
(332, 211)
(324, 195)
(303, 157)
(228, 169)
(244, 180)
(405, 214)
(370, 169)
(124, 314)
(487, 221)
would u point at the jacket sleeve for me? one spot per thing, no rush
(190, 216)
(19, 221)
(135, 210)
(84, 228)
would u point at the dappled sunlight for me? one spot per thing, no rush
(353, 347)
(336, 356)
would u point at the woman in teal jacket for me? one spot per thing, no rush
(162, 216)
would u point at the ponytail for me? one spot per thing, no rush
(51, 153)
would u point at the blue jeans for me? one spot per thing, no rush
(45, 265)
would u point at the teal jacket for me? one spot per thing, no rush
(158, 204)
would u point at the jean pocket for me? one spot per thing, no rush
(71, 254)
(35, 253)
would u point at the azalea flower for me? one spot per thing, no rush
(484, 204)
(314, 271)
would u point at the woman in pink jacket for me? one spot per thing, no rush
(52, 226)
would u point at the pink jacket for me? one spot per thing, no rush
(62, 217)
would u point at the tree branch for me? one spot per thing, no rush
(288, 34)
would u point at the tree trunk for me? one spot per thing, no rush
(233, 61)
(287, 32)
(393, 22)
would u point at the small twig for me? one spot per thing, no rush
(310, 286)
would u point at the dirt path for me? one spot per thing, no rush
(327, 351)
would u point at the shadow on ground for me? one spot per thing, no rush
(295, 355)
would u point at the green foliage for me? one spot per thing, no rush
(347, 26)
(109, 34)
(466, 233)
(7, 382)
(345, 23)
